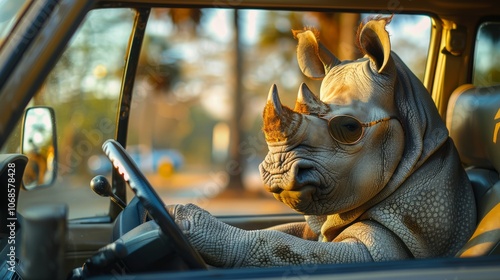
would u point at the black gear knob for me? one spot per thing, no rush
(100, 185)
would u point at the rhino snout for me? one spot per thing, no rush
(277, 180)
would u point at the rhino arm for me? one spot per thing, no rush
(223, 245)
(382, 243)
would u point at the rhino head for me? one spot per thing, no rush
(321, 166)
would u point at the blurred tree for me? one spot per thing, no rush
(235, 164)
(186, 20)
(82, 79)
(338, 33)
(278, 27)
(162, 73)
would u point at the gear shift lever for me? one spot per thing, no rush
(100, 185)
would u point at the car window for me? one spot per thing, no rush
(10, 12)
(201, 86)
(84, 89)
(486, 69)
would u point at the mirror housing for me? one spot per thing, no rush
(39, 144)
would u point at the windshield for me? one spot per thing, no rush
(10, 12)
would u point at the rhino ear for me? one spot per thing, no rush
(374, 42)
(314, 59)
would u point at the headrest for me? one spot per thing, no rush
(473, 119)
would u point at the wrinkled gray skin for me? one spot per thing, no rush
(399, 193)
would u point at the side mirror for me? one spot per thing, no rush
(39, 145)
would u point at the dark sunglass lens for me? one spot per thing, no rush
(345, 129)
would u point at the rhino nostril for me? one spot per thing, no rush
(300, 168)
(302, 173)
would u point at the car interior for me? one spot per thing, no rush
(472, 120)
(123, 244)
(472, 110)
(470, 113)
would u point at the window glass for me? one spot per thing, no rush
(486, 70)
(84, 89)
(410, 38)
(202, 84)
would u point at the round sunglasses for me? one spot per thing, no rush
(347, 129)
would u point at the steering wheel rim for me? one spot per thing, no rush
(151, 201)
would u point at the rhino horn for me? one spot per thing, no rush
(280, 122)
(308, 103)
(313, 57)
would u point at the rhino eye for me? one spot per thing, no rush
(345, 129)
(352, 127)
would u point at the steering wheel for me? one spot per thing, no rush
(148, 197)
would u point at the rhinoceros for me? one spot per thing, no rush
(369, 163)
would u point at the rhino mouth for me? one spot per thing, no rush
(301, 200)
(295, 187)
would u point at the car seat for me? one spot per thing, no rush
(473, 119)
